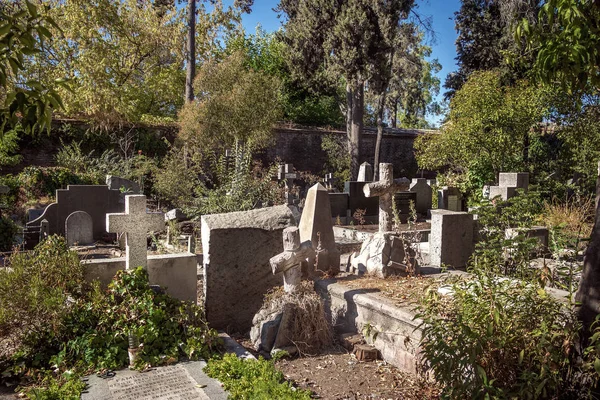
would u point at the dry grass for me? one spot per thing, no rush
(572, 218)
(309, 329)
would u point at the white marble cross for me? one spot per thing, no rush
(385, 189)
(136, 223)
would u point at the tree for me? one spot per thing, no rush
(329, 39)
(25, 102)
(566, 36)
(487, 129)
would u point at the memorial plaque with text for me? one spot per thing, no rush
(167, 383)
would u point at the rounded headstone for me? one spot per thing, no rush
(79, 228)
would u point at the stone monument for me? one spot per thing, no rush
(79, 229)
(385, 189)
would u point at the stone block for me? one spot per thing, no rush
(339, 204)
(175, 214)
(424, 193)
(365, 172)
(451, 238)
(519, 180)
(504, 192)
(34, 213)
(237, 248)
(541, 233)
(450, 198)
(358, 200)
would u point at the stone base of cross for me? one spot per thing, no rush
(385, 189)
(135, 222)
(290, 261)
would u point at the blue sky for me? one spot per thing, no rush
(440, 11)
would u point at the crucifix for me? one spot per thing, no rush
(329, 181)
(287, 174)
(136, 223)
(290, 261)
(385, 189)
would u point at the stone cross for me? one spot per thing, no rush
(385, 189)
(329, 181)
(136, 223)
(290, 261)
(287, 174)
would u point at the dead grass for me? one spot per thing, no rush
(309, 329)
(572, 218)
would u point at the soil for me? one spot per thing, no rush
(336, 374)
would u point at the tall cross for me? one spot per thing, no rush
(136, 223)
(385, 189)
(287, 174)
(290, 261)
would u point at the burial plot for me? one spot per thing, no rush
(451, 238)
(79, 229)
(237, 248)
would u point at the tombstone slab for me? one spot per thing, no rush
(402, 201)
(424, 193)
(358, 201)
(365, 172)
(79, 229)
(339, 204)
(237, 248)
(450, 198)
(451, 238)
(315, 225)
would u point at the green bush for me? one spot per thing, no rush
(44, 181)
(500, 338)
(8, 230)
(252, 379)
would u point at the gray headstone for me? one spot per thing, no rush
(365, 172)
(79, 229)
(450, 198)
(237, 248)
(519, 180)
(451, 238)
(124, 185)
(175, 214)
(424, 193)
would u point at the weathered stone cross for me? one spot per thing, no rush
(287, 174)
(385, 189)
(136, 223)
(290, 261)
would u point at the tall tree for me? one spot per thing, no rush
(329, 39)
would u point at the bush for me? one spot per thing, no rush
(44, 181)
(8, 230)
(499, 338)
(250, 379)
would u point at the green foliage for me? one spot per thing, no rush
(488, 128)
(9, 147)
(27, 102)
(500, 338)
(8, 230)
(252, 379)
(44, 181)
(338, 160)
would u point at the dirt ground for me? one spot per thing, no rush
(337, 375)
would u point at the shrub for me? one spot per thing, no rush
(499, 338)
(8, 230)
(252, 379)
(44, 181)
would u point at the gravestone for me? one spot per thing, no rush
(330, 182)
(315, 225)
(385, 189)
(287, 175)
(135, 222)
(358, 201)
(175, 215)
(79, 229)
(384, 254)
(290, 261)
(96, 200)
(237, 248)
(450, 198)
(451, 238)
(365, 172)
(508, 183)
(424, 193)
(339, 204)
(125, 186)
(34, 213)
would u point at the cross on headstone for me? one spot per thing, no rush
(287, 174)
(136, 223)
(385, 189)
(329, 181)
(290, 261)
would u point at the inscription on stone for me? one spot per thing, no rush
(166, 383)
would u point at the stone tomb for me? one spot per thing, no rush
(79, 229)
(358, 201)
(451, 238)
(450, 198)
(508, 183)
(424, 193)
(237, 248)
(96, 200)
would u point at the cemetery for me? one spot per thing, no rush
(190, 210)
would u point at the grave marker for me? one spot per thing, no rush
(79, 229)
(385, 189)
(287, 174)
(290, 261)
(365, 172)
(136, 223)
(424, 192)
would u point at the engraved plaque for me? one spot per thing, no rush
(166, 383)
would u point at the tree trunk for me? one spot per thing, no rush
(355, 126)
(191, 52)
(394, 115)
(380, 109)
(587, 297)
